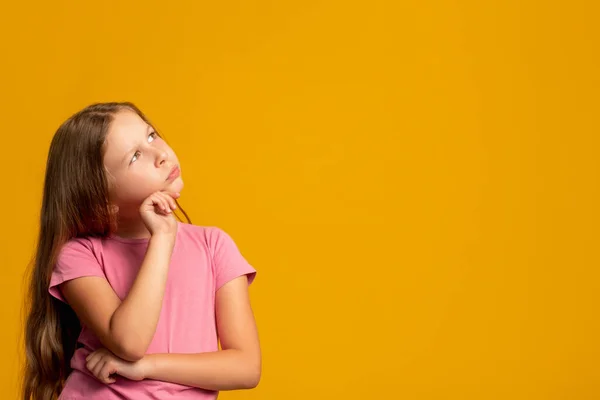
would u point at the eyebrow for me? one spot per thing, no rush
(132, 149)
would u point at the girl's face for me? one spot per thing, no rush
(138, 162)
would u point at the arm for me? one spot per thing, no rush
(236, 366)
(121, 326)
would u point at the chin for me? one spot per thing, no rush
(176, 185)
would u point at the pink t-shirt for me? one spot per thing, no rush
(203, 260)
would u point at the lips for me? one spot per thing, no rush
(174, 173)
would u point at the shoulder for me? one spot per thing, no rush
(77, 257)
(79, 247)
(227, 261)
(209, 236)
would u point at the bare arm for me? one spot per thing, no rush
(125, 328)
(237, 366)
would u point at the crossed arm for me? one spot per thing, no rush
(126, 333)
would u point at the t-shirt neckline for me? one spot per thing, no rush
(133, 240)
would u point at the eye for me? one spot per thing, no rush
(152, 135)
(135, 156)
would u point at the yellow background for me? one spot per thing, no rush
(416, 181)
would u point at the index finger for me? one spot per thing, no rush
(172, 194)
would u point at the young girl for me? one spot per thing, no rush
(126, 302)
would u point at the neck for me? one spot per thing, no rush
(131, 227)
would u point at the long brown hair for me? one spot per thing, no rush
(75, 203)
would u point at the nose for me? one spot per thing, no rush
(161, 157)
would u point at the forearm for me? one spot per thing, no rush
(134, 322)
(220, 370)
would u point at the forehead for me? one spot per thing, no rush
(126, 127)
(124, 133)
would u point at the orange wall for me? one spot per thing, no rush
(416, 181)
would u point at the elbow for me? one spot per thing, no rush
(255, 380)
(252, 376)
(127, 353)
(130, 342)
(127, 345)
(129, 349)
(131, 354)
(251, 381)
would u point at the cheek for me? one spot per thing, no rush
(131, 186)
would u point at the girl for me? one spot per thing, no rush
(126, 302)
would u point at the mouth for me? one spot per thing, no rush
(174, 173)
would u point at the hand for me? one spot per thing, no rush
(157, 215)
(103, 364)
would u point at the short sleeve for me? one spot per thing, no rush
(229, 263)
(76, 259)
